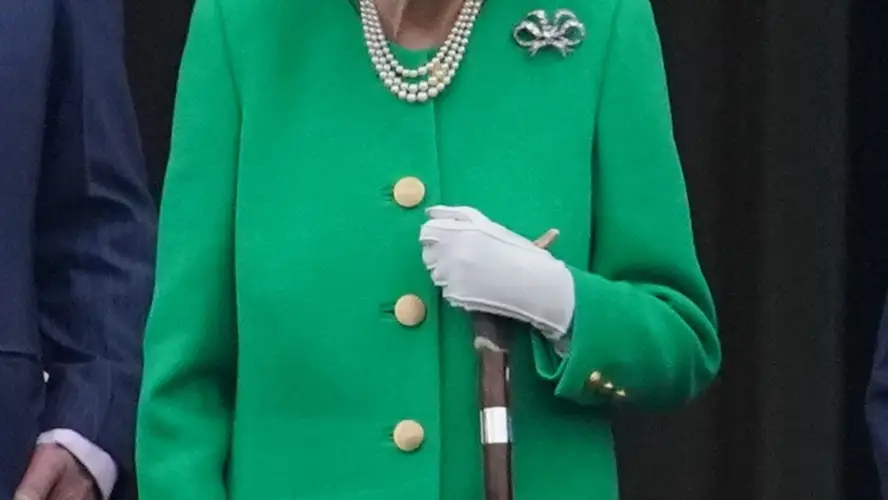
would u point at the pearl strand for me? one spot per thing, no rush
(429, 80)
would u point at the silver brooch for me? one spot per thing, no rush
(564, 32)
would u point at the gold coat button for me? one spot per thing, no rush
(409, 310)
(409, 192)
(408, 435)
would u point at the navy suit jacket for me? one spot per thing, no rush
(877, 402)
(76, 231)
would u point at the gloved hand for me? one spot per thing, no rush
(482, 266)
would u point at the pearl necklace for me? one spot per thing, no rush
(426, 82)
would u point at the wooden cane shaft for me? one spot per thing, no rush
(498, 472)
(494, 404)
(494, 358)
(491, 342)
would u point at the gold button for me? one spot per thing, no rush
(409, 310)
(595, 379)
(621, 393)
(409, 192)
(408, 435)
(608, 387)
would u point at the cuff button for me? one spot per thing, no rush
(595, 379)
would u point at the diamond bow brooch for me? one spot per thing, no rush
(564, 32)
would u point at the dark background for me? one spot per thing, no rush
(781, 111)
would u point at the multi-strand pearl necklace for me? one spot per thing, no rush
(429, 80)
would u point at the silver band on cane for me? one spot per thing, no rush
(496, 426)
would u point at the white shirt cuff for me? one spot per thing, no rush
(99, 464)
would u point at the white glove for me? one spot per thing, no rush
(482, 266)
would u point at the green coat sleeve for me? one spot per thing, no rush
(186, 405)
(644, 328)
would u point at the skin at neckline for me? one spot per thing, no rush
(418, 24)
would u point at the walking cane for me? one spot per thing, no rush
(491, 343)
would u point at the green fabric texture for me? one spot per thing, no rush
(274, 367)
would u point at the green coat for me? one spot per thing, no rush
(275, 367)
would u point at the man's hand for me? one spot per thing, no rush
(54, 474)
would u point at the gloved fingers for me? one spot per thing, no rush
(431, 258)
(430, 255)
(461, 213)
(439, 277)
(436, 230)
(479, 306)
